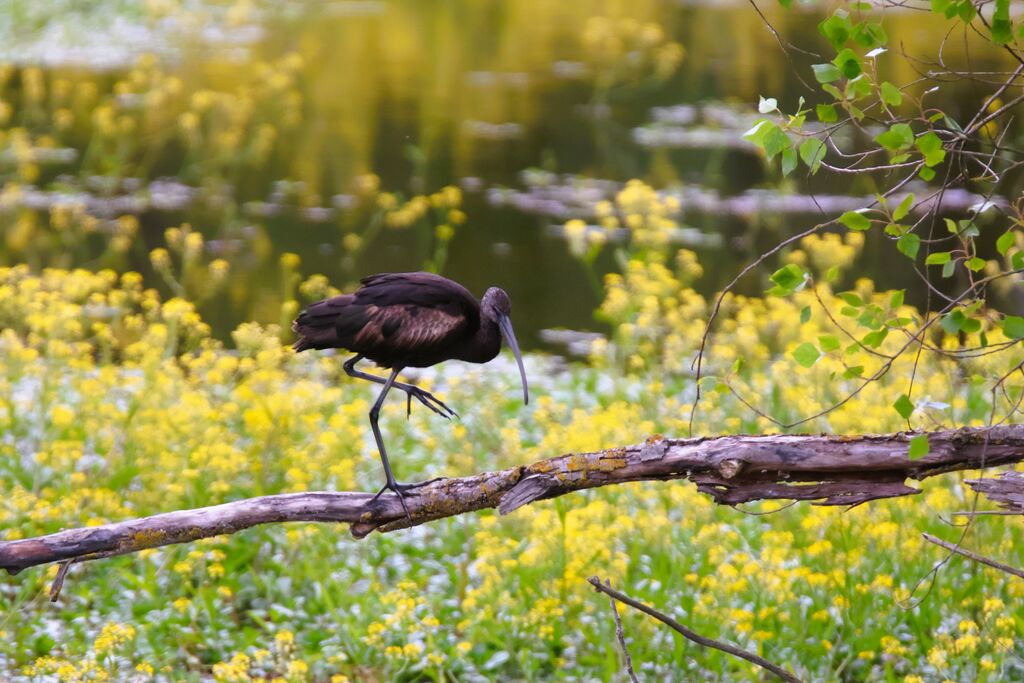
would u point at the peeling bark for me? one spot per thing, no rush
(831, 470)
(1007, 490)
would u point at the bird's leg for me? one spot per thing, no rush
(411, 390)
(374, 414)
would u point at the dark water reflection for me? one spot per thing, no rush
(430, 94)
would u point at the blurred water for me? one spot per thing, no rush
(466, 93)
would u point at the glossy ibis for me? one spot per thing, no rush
(403, 320)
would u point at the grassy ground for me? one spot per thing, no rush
(143, 413)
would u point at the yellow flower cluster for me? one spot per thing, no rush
(99, 664)
(624, 50)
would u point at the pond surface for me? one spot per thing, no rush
(426, 95)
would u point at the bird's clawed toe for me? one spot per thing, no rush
(398, 489)
(430, 401)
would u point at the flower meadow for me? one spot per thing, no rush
(118, 403)
(147, 208)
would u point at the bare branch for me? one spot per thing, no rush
(952, 547)
(831, 470)
(620, 634)
(692, 635)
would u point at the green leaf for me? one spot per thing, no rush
(786, 3)
(836, 28)
(789, 160)
(930, 145)
(1004, 242)
(848, 63)
(775, 140)
(975, 264)
(831, 274)
(1017, 260)
(858, 87)
(918, 446)
(908, 245)
(926, 174)
(852, 298)
(1002, 28)
(940, 6)
(952, 322)
(827, 112)
(788, 277)
(875, 339)
(849, 311)
(812, 151)
(899, 136)
(826, 73)
(966, 11)
(896, 300)
(854, 220)
(891, 95)
(828, 342)
(805, 314)
(806, 354)
(870, 34)
(948, 269)
(854, 371)
(1013, 326)
(904, 208)
(904, 406)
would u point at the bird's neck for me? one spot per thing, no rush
(485, 344)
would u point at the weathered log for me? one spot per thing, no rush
(1007, 490)
(831, 470)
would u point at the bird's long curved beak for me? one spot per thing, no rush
(505, 323)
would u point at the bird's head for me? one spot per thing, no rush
(498, 306)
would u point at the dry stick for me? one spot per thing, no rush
(58, 581)
(691, 635)
(952, 547)
(620, 633)
(831, 470)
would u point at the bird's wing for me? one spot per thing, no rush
(414, 314)
(393, 317)
(409, 330)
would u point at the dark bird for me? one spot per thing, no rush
(409, 320)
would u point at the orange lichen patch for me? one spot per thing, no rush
(147, 538)
(544, 466)
(610, 464)
(578, 462)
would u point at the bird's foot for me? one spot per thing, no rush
(399, 490)
(430, 401)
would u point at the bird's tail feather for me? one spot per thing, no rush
(330, 323)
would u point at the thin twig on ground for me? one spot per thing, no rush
(620, 633)
(973, 556)
(691, 635)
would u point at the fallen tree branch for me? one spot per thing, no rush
(1007, 490)
(952, 547)
(832, 470)
(693, 635)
